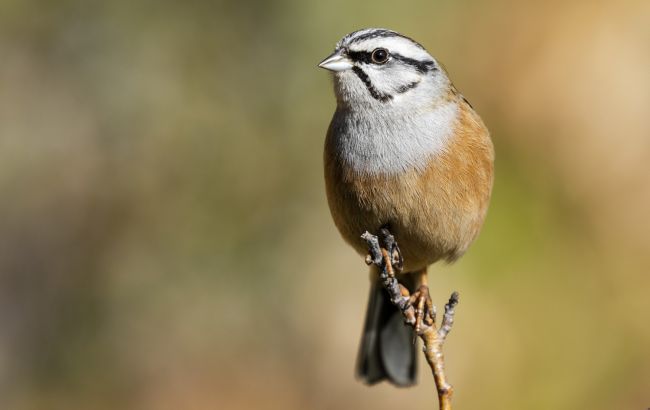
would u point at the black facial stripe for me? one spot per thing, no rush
(377, 95)
(404, 88)
(360, 56)
(366, 58)
(375, 34)
(422, 66)
(382, 34)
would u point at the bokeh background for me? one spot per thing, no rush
(165, 241)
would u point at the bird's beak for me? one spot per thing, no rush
(336, 62)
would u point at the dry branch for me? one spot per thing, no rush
(418, 310)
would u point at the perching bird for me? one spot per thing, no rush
(405, 150)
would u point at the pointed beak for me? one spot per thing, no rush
(336, 62)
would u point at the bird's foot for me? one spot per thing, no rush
(383, 252)
(425, 311)
(390, 244)
(418, 309)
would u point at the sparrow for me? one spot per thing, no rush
(404, 151)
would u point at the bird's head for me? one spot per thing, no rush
(381, 68)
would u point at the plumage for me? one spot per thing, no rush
(434, 212)
(406, 150)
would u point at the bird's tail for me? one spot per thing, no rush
(387, 350)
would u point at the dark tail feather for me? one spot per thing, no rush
(387, 349)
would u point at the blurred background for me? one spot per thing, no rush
(165, 241)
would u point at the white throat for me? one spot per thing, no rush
(392, 140)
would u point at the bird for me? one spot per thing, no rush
(405, 150)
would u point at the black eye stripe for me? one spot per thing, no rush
(365, 57)
(423, 66)
(360, 56)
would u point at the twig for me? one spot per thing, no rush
(387, 257)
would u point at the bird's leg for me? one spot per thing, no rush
(421, 302)
(418, 309)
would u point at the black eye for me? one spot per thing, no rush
(379, 56)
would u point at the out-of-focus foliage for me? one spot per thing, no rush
(164, 236)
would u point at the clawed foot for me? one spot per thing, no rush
(384, 252)
(390, 244)
(417, 308)
(425, 312)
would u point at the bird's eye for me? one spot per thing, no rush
(379, 56)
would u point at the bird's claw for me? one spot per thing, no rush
(425, 312)
(390, 244)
